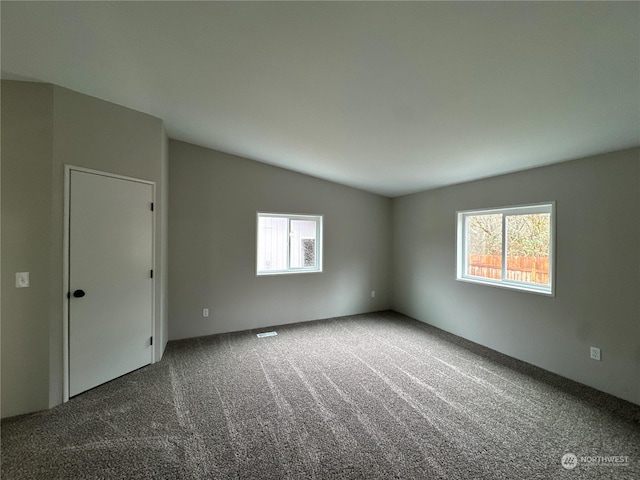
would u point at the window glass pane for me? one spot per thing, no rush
(528, 239)
(484, 245)
(303, 243)
(272, 243)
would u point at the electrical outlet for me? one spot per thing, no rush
(22, 279)
(205, 312)
(595, 353)
(373, 293)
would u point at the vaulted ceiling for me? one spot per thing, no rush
(390, 97)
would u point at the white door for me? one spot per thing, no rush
(110, 284)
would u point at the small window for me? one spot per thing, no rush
(508, 247)
(289, 243)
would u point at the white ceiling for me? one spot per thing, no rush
(390, 97)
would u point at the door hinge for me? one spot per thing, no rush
(151, 273)
(152, 206)
(151, 341)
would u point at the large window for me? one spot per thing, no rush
(508, 247)
(289, 243)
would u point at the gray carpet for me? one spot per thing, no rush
(369, 396)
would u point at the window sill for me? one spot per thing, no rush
(510, 286)
(288, 272)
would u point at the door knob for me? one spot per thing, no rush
(79, 293)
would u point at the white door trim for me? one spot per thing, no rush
(65, 269)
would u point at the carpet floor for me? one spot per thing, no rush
(370, 396)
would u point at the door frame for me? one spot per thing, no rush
(65, 267)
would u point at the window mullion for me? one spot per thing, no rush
(504, 247)
(288, 243)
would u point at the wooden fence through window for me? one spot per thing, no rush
(520, 269)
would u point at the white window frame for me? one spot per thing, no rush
(290, 270)
(462, 239)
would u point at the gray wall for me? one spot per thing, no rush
(163, 204)
(213, 200)
(27, 142)
(597, 300)
(86, 132)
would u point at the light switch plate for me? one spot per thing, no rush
(22, 279)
